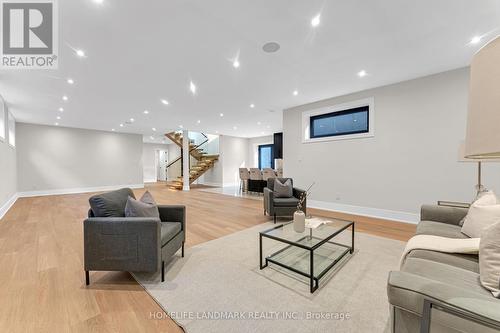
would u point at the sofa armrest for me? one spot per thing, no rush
(173, 213)
(268, 200)
(443, 214)
(122, 244)
(408, 291)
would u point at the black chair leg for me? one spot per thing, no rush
(87, 278)
(274, 218)
(182, 250)
(162, 271)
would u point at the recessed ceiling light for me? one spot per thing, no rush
(192, 87)
(199, 121)
(80, 53)
(316, 20)
(132, 120)
(222, 114)
(252, 105)
(262, 133)
(216, 132)
(57, 124)
(70, 81)
(58, 117)
(271, 47)
(99, 1)
(475, 40)
(65, 98)
(112, 130)
(235, 128)
(146, 112)
(154, 129)
(180, 126)
(258, 123)
(236, 63)
(121, 125)
(61, 109)
(295, 93)
(362, 73)
(164, 102)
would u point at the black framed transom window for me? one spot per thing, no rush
(345, 122)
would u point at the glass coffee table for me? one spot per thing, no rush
(311, 253)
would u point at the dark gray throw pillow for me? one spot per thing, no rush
(110, 204)
(146, 207)
(283, 190)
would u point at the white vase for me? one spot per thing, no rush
(299, 221)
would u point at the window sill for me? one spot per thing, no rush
(339, 137)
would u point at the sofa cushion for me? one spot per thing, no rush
(286, 202)
(145, 207)
(270, 182)
(439, 229)
(283, 189)
(483, 213)
(489, 259)
(464, 261)
(110, 204)
(169, 230)
(444, 273)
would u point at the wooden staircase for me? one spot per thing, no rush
(204, 162)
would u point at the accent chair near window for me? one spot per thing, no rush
(279, 206)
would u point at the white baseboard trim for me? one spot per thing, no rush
(211, 184)
(76, 190)
(384, 214)
(150, 180)
(7, 205)
(230, 184)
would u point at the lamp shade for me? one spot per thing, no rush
(462, 158)
(482, 139)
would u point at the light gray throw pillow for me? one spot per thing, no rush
(484, 212)
(283, 190)
(145, 207)
(489, 259)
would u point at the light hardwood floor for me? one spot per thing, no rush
(42, 287)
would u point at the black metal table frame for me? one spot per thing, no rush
(313, 281)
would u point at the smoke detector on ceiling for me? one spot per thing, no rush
(271, 47)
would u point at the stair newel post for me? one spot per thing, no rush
(185, 160)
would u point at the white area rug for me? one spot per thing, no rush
(218, 287)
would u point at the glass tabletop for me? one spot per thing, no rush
(311, 236)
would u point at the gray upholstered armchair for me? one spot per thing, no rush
(281, 206)
(113, 242)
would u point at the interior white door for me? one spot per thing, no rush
(162, 165)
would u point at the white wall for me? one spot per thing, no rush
(234, 153)
(8, 171)
(149, 160)
(253, 149)
(174, 171)
(412, 159)
(63, 159)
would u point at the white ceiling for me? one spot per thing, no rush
(139, 52)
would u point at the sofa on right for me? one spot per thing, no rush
(441, 292)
